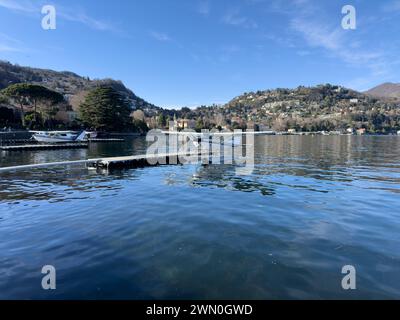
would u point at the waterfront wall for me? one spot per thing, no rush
(15, 135)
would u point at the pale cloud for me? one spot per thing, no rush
(306, 21)
(22, 6)
(316, 35)
(6, 48)
(160, 36)
(310, 29)
(392, 6)
(87, 20)
(335, 43)
(233, 17)
(230, 48)
(9, 44)
(291, 7)
(227, 52)
(203, 8)
(68, 14)
(303, 53)
(300, 2)
(281, 40)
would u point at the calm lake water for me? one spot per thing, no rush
(311, 206)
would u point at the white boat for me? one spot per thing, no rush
(92, 134)
(58, 136)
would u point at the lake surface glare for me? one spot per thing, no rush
(312, 205)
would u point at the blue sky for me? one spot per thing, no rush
(178, 53)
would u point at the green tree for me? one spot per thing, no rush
(162, 122)
(33, 118)
(199, 125)
(6, 116)
(3, 100)
(47, 101)
(105, 109)
(19, 93)
(140, 126)
(34, 96)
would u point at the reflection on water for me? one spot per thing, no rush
(311, 206)
(224, 176)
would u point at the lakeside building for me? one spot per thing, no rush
(361, 131)
(181, 124)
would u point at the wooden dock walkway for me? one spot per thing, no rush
(28, 147)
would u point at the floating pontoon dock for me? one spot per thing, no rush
(16, 142)
(29, 143)
(28, 147)
(140, 161)
(109, 163)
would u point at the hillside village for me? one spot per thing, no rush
(329, 108)
(320, 108)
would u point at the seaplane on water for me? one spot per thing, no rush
(59, 136)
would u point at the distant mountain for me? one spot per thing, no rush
(71, 85)
(385, 90)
